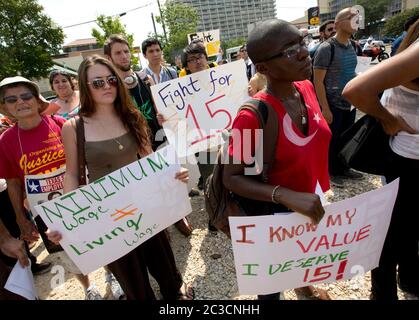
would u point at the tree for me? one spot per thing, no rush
(28, 38)
(180, 20)
(233, 43)
(394, 25)
(111, 26)
(374, 13)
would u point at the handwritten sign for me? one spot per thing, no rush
(211, 40)
(44, 187)
(200, 106)
(276, 253)
(111, 216)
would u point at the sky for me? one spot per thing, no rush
(138, 21)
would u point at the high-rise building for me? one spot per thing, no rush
(234, 18)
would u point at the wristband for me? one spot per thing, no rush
(273, 194)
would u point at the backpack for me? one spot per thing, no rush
(332, 55)
(221, 203)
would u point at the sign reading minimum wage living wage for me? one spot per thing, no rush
(211, 40)
(276, 253)
(111, 216)
(198, 107)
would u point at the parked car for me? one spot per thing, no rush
(362, 41)
(378, 43)
(388, 39)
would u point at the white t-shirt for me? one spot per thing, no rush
(3, 185)
(404, 102)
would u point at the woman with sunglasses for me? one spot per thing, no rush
(32, 146)
(278, 50)
(67, 103)
(105, 105)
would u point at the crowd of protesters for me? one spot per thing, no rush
(315, 89)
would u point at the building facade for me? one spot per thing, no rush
(234, 18)
(329, 8)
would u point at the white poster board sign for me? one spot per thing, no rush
(211, 40)
(363, 64)
(198, 107)
(276, 253)
(111, 216)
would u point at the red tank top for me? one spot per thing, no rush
(300, 161)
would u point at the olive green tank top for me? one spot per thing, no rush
(104, 157)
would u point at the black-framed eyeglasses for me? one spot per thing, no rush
(290, 52)
(330, 29)
(98, 83)
(13, 99)
(195, 59)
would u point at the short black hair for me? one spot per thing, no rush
(264, 35)
(410, 21)
(148, 43)
(192, 48)
(324, 24)
(243, 47)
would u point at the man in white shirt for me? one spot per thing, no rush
(250, 67)
(152, 51)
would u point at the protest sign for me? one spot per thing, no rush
(363, 64)
(111, 216)
(198, 107)
(44, 187)
(211, 40)
(276, 253)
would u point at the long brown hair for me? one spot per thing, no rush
(124, 107)
(411, 36)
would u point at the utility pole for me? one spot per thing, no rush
(154, 25)
(162, 22)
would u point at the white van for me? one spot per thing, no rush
(231, 53)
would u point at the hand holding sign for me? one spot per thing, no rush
(111, 216)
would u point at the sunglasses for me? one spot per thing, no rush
(13, 99)
(100, 83)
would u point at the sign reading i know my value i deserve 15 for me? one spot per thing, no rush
(111, 216)
(281, 252)
(211, 40)
(198, 107)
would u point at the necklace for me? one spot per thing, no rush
(120, 145)
(68, 99)
(296, 96)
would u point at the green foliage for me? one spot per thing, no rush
(28, 38)
(374, 12)
(232, 43)
(180, 20)
(111, 26)
(394, 25)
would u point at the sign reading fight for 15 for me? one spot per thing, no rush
(198, 107)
